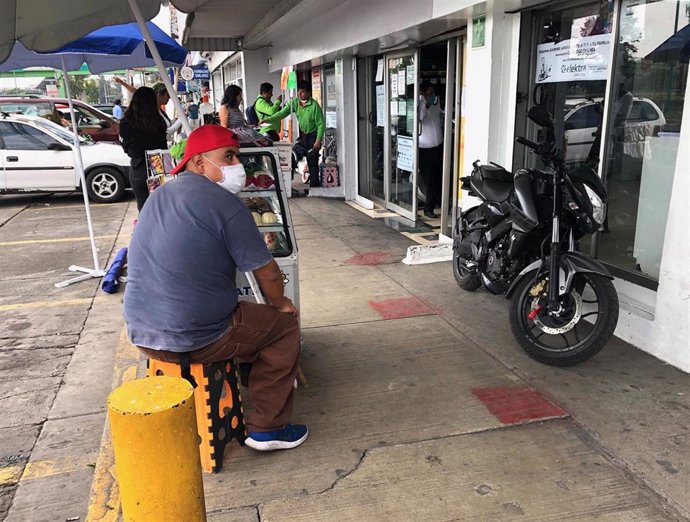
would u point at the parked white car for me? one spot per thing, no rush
(582, 118)
(36, 155)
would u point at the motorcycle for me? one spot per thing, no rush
(521, 241)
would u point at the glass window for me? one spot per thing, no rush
(18, 136)
(28, 109)
(570, 74)
(649, 79)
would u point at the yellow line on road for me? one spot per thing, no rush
(45, 468)
(44, 304)
(47, 241)
(104, 500)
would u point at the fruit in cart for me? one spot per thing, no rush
(257, 218)
(250, 180)
(269, 218)
(263, 181)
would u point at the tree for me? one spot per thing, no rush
(77, 85)
(91, 91)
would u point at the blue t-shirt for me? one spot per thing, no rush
(193, 111)
(118, 113)
(191, 237)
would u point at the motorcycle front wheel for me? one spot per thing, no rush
(565, 338)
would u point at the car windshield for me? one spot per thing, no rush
(61, 132)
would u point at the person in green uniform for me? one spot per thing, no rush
(312, 127)
(265, 108)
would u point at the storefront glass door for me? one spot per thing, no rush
(401, 139)
(371, 112)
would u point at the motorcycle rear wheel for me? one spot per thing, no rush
(591, 295)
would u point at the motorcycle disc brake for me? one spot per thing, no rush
(562, 322)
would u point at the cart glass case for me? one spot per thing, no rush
(264, 198)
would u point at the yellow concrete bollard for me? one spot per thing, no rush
(156, 448)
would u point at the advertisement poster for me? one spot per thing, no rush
(331, 101)
(316, 85)
(380, 106)
(394, 85)
(405, 157)
(577, 59)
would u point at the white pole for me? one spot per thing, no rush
(159, 63)
(80, 168)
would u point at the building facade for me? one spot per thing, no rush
(614, 73)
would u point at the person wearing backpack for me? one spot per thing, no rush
(263, 108)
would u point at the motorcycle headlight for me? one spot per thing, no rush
(598, 209)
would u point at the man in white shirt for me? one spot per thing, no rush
(206, 110)
(430, 148)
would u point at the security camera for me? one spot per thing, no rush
(205, 54)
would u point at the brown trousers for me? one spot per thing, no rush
(271, 341)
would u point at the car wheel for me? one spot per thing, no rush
(105, 185)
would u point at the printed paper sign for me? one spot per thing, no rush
(401, 83)
(379, 71)
(394, 85)
(577, 59)
(331, 120)
(410, 75)
(380, 106)
(405, 158)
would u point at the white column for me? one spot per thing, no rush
(346, 135)
(671, 339)
(490, 91)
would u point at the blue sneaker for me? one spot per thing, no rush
(289, 437)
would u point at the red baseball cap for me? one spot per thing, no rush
(204, 139)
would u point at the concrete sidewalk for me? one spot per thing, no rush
(420, 404)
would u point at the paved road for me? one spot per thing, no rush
(422, 406)
(40, 237)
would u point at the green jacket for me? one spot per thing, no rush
(264, 109)
(310, 117)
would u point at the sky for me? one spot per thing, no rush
(162, 20)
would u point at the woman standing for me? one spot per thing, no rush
(141, 129)
(230, 114)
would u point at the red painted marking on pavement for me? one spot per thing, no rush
(512, 404)
(369, 258)
(400, 307)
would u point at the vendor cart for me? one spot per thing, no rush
(266, 197)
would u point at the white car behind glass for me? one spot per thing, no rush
(36, 155)
(581, 121)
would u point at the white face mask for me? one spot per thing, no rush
(234, 177)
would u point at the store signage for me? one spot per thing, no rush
(187, 73)
(577, 59)
(405, 160)
(478, 31)
(201, 72)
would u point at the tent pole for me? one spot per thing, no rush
(159, 63)
(96, 271)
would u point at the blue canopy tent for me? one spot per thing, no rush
(109, 48)
(105, 49)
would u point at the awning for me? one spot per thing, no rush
(223, 25)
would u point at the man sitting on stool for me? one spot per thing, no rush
(181, 298)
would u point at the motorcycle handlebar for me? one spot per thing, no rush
(527, 143)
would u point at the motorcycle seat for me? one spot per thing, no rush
(496, 173)
(495, 191)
